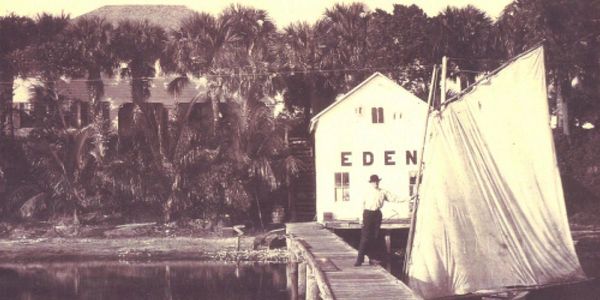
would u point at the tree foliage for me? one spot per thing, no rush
(16, 34)
(234, 161)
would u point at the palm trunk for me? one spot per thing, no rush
(312, 101)
(562, 105)
(214, 101)
(57, 104)
(75, 217)
(96, 92)
(258, 208)
(6, 100)
(288, 182)
(291, 206)
(168, 207)
(139, 92)
(11, 120)
(152, 131)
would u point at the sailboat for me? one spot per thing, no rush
(491, 214)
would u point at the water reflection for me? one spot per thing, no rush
(165, 280)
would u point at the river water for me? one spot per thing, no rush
(161, 280)
(212, 280)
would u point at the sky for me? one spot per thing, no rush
(282, 12)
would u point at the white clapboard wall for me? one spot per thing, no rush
(376, 128)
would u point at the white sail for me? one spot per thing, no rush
(492, 212)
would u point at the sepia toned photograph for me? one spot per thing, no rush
(300, 150)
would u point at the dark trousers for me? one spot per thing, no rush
(369, 234)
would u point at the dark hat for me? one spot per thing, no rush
(374, 178)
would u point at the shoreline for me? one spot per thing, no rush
(174, 245)
(140, 249)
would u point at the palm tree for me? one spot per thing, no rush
(60, 162)
(464, 33)
(58, 156)
(252, 136)
(15, 34)
(343, 36)
(238, 43)
(570, 32)
(313, 53)
(399, 46)
(91, 53)
(194, 50)
(254, 143)
(48, 56)
(62, 168)
(139, 45)
(300, 52)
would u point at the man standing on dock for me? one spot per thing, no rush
(371, 219)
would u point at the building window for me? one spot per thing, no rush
(342, 186)
(377, 114)
(358, 110)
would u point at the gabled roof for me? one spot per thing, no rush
(315, 119)
(165, 16)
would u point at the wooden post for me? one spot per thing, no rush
(443, 79)
(302, 279)
(300, 268)
(388, 242)
(388, 249)
(292, 279)
(312, 289)
(168, 290)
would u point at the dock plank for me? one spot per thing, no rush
(335, 259)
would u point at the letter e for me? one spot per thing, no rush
(346, 159)
(389, 160)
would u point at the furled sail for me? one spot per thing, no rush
(492, 211)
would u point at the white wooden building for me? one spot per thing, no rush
(376, 128)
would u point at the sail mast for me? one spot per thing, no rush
(411, 232)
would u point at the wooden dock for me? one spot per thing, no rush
(322, 265)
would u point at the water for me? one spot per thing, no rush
(164, 280)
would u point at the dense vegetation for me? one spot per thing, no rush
(237, 162)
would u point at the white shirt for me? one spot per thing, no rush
(374, 198)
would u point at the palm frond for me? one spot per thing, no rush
(81, 137)
(292, 166)
(197, 156)
(262, 170)
(20, 195)
(176, 86)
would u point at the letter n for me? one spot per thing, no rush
(411, 157)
